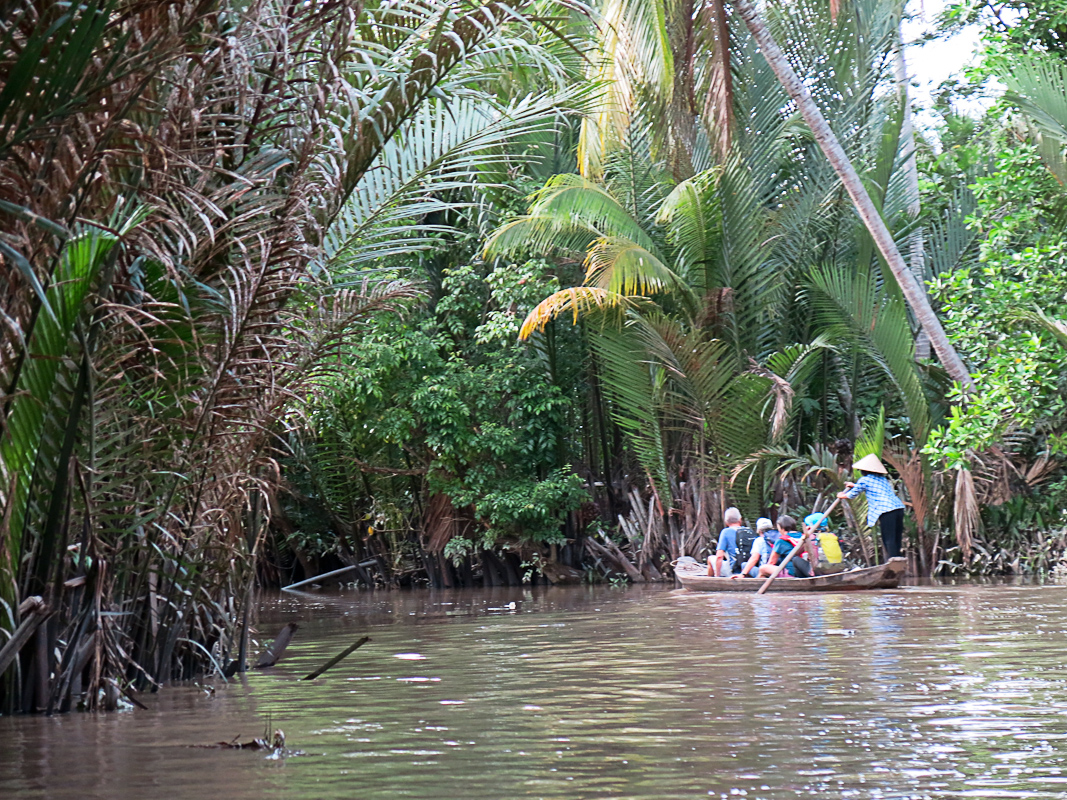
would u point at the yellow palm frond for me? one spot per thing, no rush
(619, 266)
(634, 55)
(578, 300)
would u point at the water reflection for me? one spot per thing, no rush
(939, 692)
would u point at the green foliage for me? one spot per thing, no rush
(1017, 26)
(450, 393)
(1021, 265)
(517, 509)
(44, 394)
(855, 310)
(154, 365)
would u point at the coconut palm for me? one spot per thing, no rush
(866, 209)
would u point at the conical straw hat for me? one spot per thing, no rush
(870, 464)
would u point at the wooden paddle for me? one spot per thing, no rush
(779, 567)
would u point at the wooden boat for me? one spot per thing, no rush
(694, 577)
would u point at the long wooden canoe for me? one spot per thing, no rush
(885, 576)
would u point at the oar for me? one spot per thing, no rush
(778, 568)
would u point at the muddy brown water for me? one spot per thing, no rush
(923, 692)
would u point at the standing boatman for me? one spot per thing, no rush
(883, 505)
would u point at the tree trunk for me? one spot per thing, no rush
(911, 178)
(835, 154)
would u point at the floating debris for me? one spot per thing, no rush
(276, 744)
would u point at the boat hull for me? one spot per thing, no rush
(884, 576)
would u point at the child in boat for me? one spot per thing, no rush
(788, 538)
(829, 549)
(721, 565)
(883, 505)
(766, 536)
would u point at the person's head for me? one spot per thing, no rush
(732, 516)
(870, 465)
(763, 525)
(816, 519)
(786, 524)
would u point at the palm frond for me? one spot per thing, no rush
(693, 217)
(579, 300)
(785, 462)
(635, 61)
(410, 48)
(853, 308)
(634, 387)
(952, 242)
(1037, 84)
(48, 81)
(871, 440)
(705, 392)
(29, 420)
(566, 216)
(1042, 321)
(621, 267)
(446, 149)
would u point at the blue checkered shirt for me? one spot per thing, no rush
(880, 496)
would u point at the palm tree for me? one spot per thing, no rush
(684, 307)
(866, 209)
(168, 297)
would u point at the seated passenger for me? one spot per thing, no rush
(760, 553)
(829, 549)
(721, 565)
(788, 538)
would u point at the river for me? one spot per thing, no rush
(923, 692)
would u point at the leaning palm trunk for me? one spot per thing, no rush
(835, 154)
(911, 177)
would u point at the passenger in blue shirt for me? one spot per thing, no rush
(726, 550)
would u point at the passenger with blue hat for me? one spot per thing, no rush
(829, 547)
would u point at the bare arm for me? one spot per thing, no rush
(748, 566)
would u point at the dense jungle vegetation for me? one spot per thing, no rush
(502, 291)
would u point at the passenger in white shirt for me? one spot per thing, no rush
(761, 548)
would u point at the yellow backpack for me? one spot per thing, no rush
(831, 548)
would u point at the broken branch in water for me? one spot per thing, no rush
(273, 654)
(322, 576)
(336, 659)
(276, 744)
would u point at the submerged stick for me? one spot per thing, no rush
(273, 654)
(292, 586)
(336, 659)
